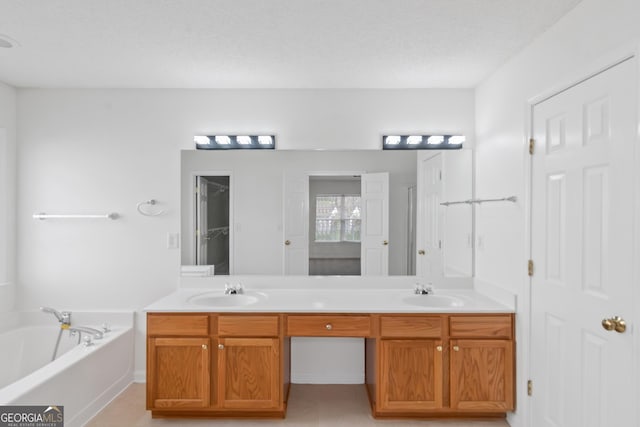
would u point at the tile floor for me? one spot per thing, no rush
(309, 406)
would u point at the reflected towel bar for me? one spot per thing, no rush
(471, 201)
(43, 215)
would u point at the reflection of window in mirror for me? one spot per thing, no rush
(212, 219)
(334, 225)
(337, 218)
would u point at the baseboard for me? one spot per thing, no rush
(140, 376)
(314, 378)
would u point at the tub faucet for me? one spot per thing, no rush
(64, 318)
(94, 333)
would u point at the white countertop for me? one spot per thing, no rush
(279, 300)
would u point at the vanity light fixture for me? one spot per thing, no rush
(435, 139)
(422, 142)
(414, 139)
(392, 140)
(234, 142)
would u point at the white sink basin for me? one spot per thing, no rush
(211, 299)
(436, 301)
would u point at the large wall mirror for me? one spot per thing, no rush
(314, 212)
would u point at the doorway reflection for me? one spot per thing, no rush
(212, 219)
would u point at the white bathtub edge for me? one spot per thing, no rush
(93, 408)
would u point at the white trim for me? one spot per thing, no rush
(140, 376)
(315, 378)
(586, 71)
(636, 246)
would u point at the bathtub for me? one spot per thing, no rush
(82, 378)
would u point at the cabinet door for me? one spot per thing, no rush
(249, 373)
(178, 373)
(411, 374)
(482, 375)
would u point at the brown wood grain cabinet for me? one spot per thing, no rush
(233, 369)
(410, 375)
(482, 363)
(416, 365)
(179, 370)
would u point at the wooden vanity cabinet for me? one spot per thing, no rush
(248, 354)
(178, 362)
(482, 363)
(417, 365)
(410, 364)
(216, 365)
(442, 365)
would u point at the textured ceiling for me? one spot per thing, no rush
(266, 43)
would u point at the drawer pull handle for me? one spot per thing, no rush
(328, 326)
(439, 348)
(204, 346)
(220, 347)
(456, 348)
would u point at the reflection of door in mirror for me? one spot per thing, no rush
(212, 219)
(337, 224)
(429, 262)
(445, 218)
(334, 225)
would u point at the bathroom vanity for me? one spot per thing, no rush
(448, 356)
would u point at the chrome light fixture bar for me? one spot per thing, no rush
(235, 142)
(422, 142)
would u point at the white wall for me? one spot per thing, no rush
(7, 196)
(592, 30)
(96, 151)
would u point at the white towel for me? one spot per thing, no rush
(197, 270)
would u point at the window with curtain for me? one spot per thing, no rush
(338, 218)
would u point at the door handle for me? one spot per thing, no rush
(615, 323)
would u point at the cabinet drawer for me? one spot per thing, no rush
(329, 326)
(181, 324)
(411, 326)
(481, 327)
(243, 326)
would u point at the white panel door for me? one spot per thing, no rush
(296, 224)
(374, 257)
(429, 233)
(582, 246)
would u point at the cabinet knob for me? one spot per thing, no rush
(385, 242)
(204, 346)
(439, 348)
(287, 242)
(328, 326)
(421, 252)
(456, 348)
(220, 346)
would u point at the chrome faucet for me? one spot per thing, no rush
(64, 318)
(230, 289)
(421, 289)
(94, 333)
